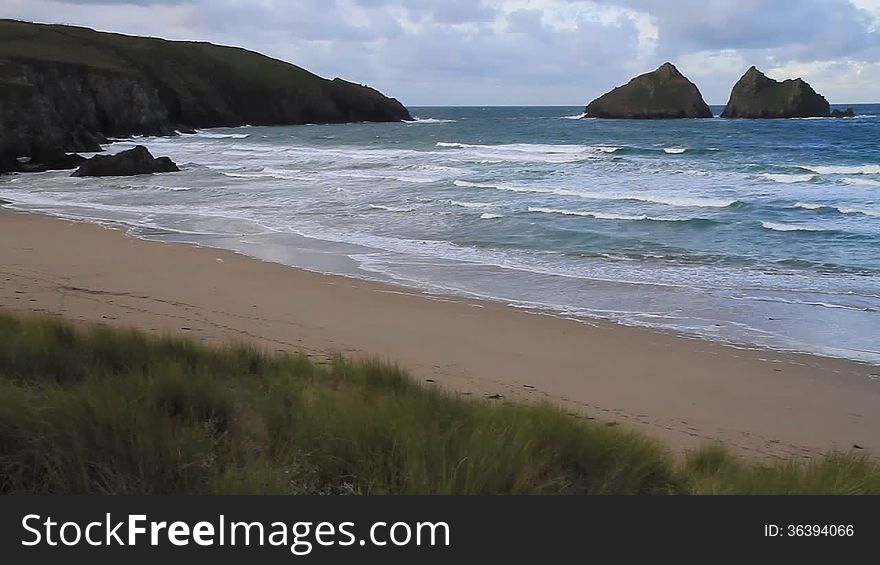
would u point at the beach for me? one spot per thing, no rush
(686, 392)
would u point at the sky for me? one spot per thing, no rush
(517, 52)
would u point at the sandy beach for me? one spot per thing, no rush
(685, 392)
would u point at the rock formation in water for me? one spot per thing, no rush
(661, 94)
(848, 113)
(757, 96)
(66, 89)
(137, 161)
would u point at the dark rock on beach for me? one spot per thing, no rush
(661, 94)
(848, 113)
(757, 96)
(137, 161)
(67, 89)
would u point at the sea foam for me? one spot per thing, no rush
(788, 179)
(775, 226)
(605, 215)
(843, 169)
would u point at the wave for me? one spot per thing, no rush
(488, 216)
(608, 215)
(821, 304)
(416, 179)
(172, 188)
(859, 211)
(788, 179)
(683, 201)
(469, 204)
(527, 152)
(675, 150)
(418, 120)
(680, 201)
(810, 206)
(774, 226)
(843, 169)
(468, 184)
(390, 208)
(578, 117)
(267, 172)
(861, 182)
(848, 210)
(209, 135)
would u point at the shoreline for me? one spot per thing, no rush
(332, 257)
(682, 390)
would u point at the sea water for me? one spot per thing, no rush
(763, 233)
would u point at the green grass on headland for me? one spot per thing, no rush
(117, 412)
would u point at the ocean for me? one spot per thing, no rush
(754, 233)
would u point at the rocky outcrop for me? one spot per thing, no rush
(757, 96)
(848, 113)
(137, 161)
(661, 94)
(69, 89)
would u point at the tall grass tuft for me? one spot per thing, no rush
(100, 411)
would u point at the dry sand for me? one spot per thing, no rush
(686, 392)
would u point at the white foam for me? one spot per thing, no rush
(209, 135)
(525, 152)
(267, 172)
(774, 226)
(861, 182)
(605, 215)
(488, 216)
(675, 150)
(390, 208)
(788, 179)
(859, 211)
(596, 215)
(469, 204)
(426, 121)
(468, 184)
(577, 117)
(681, 201)
(172, 188)
(809, 206)
(843, 169)
(849, 210)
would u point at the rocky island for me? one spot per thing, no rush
(67, 89)
(757, 96)
(661, 94)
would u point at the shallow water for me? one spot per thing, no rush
(752, 232)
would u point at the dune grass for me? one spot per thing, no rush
(95, 411)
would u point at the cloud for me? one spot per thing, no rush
(516, 51)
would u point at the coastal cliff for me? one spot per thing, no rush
(67, 89)
(757, 96)
(661, 94)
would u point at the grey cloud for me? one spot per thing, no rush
(487, 52)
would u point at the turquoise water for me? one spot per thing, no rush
(752, 232)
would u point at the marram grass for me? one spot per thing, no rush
(101, 411)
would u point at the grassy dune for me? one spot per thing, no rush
(107, 411)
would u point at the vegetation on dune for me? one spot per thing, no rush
(108, 411)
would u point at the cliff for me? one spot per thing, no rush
(661, 94)
(68, 88)
(757, 96)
